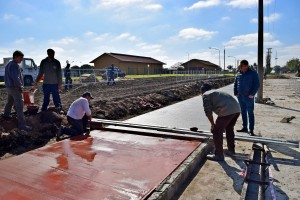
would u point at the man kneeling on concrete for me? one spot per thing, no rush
(78, 116)
(228, 110)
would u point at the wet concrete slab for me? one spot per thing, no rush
(106, 165)
(184, 114)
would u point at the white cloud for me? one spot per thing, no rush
(64, 41)
(203, 4)
(194, 33)
(144, 4)
(23, 40)
(153, 7)
(250, 40)
(146, 46)
(126, 36)
(272, 18)
(226, 18)
(8, 17)
(89, 34)
(246, 3)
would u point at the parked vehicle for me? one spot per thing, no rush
(117, 73)
(29, 70)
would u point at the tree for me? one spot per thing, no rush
(276, 69)
(229, 67)
(292, 64)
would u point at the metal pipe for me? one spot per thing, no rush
(197, 133)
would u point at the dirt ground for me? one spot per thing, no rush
(285, 161)
(126, 99)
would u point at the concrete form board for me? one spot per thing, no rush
(107, 165)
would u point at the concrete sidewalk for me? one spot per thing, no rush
(223, 180)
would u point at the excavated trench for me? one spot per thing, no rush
(126, 99)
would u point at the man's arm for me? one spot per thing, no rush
(41, 73)
(59, 75)
(208, 110)
(255, 85)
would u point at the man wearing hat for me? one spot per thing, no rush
(78, 116)
(228, 110)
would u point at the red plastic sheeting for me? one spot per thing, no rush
(107, 165)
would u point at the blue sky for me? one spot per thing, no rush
(167, 30)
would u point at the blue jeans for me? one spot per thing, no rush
(247, 110)
(49, 89)
(77, 126)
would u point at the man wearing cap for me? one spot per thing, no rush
(78, 116)
(228, 110)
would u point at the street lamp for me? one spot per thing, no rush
(219, 54)
(234, 60)
(148, 68)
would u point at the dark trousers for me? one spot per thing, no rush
(226, 123)
(14, 98)
(68, 83)
(111, 78)
(77, 126)
(247, 109)
(49, 89)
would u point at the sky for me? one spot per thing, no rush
(170, 31)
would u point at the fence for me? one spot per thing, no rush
(196, 74)
(295, 84)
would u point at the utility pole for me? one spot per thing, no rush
(276, 59)
(224, 60)
(260, 52)
(268, 61)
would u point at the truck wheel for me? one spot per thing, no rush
(28, 81)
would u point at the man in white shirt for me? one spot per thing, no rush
(78, 116)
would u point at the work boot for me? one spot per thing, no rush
(6, 117)
(243, 130)
(229, 152)
(60, 131)
(215, 157)
(251, 133)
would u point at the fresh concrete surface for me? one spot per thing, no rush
(223, 180)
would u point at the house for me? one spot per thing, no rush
(130, 64)
(195, 64)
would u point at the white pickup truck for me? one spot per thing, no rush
(29, 70)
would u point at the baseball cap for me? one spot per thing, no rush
(205, 87)
(87, 94)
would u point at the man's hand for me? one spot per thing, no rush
(89, 118)
(59, 86)
(251, 97)
(212, 127)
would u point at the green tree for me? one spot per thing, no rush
(292, 64)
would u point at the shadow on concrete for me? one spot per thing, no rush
(291, 109)
(284, 161)
(235, 173)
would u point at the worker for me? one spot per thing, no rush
(50, 68)
(68, 79)
(78, 116)
(246, 85)
(228, 110)
(14, 88)
(111, 74)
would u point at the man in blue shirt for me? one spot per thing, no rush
(14, 87)
(246, 85)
